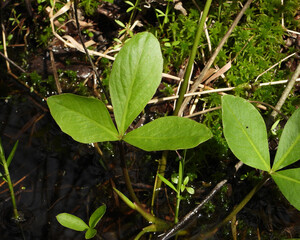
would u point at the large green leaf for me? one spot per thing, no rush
(168, 133)
(245, 132)
(289, 145)
(288, 182)
(135, 76)
(85, 119)
(72, 222)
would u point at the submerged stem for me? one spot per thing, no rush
(236, 210)
(10, 185)
(126, 174)
(161, 170)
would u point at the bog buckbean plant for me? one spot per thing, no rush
(135, 76)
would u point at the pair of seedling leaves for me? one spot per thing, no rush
(77, 224)
(135, 76)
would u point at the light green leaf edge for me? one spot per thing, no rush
(135, 76)
(289, 145)
(97, 215)
(70, 221)
(168, 133)
(85, 119)
(288, 182)
(235, 109)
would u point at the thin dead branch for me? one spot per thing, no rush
(284, 96)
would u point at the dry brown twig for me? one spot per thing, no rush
(284, 95)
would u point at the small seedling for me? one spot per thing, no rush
(77, 224)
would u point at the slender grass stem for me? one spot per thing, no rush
(188, 71)
(213, 57)
(133, 12)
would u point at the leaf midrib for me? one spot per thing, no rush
(130, 93)
(283, 176)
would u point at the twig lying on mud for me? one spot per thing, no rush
(192, 213)
(12, 62)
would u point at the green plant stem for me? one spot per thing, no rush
(178, 196)
(161, 170)
(133, 12)
(188, 71)
(238, 208)
(126, 174)
(10, 185)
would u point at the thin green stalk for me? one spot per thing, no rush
(166, 15)
(133, 12)
(161, 170)
(238, 208)
(125, 173)
(188, 73)
(178, 196)
(10, 185)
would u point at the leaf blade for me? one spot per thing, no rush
(70, 221)
(85, 119)
(245, 132)
(289, 145)
(167, 182)
(288, 182)
(135, 76)
(96, 216)
(12, 153)
(168, 133)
